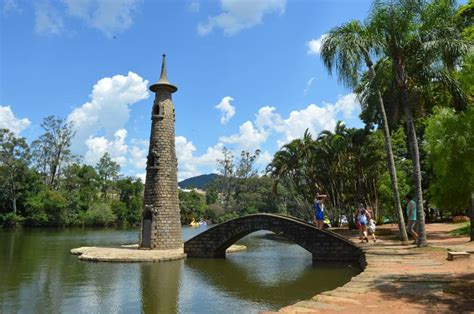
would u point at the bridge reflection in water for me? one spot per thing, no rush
(259, 274)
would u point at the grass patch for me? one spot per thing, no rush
(461, 231)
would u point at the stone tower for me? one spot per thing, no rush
(161, 223)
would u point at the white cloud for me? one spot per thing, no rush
(253, 135)
(138, 157)
(190, 165)
(227, 110)
(312, 117)
(308, 85)
(142, 176)
(98, 146)
(314, 45)
(8, 120)
(11, 6)
(315, 118)
(266, 117)
(347, 104)
(194, 6)
(249, 138)
(108, 108)
(187, 164)
(238, 15)
(263, 159)
(110, 17)
(48, 20)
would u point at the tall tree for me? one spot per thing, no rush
(294, 167)
(80, 186)
(226, 167)
(345, 49)
(52, 150)
(108, 171)
(404, 32)
(14, 161)
(449, 143)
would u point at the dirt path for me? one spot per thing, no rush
(404, 279)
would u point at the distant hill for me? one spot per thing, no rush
(199, 182)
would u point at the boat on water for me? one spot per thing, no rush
(196, 224)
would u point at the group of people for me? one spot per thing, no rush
(363, 218)
(365, 223)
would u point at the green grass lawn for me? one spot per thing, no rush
(461, 231)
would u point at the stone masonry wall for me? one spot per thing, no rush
(161, 186)
(324, 245)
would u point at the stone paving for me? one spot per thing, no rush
(404, 279)
(131, 253)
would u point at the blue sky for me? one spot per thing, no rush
(248, 73)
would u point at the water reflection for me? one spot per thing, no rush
(270, 273)
(37, 273)
(160, 285)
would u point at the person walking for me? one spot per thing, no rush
(411, 216)
(371, 229)
(319, 210)
(362, 219)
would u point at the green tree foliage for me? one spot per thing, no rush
(424, 46)
(28, 198)
(131, 195)
(52, 150)
(465, 20)
(14, 172)
(239, 190)
(81, 186)
(450, 147)
(346, 48)
(346, 164)
(108, 171)
(192, 206)
(47, 208)
(100, 215)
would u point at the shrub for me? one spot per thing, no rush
(457, 219)
(46, 208)
(227, 216)
(461, 231)
(100, 214)
(37, 219)
(119, 209)
(11, 220)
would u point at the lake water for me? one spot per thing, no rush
(37, 274)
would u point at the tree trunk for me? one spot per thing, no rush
(471, 216)
(391, 165)
(415, 156)
(14, 197)
(14, 204)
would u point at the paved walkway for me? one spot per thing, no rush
(404, 279)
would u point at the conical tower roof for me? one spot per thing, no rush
(163, 81)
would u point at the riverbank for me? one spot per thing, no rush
(404, 279)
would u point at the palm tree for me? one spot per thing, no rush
(345, 49)
(404, 31)
(292, 166)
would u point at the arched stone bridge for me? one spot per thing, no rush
(323, 245)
